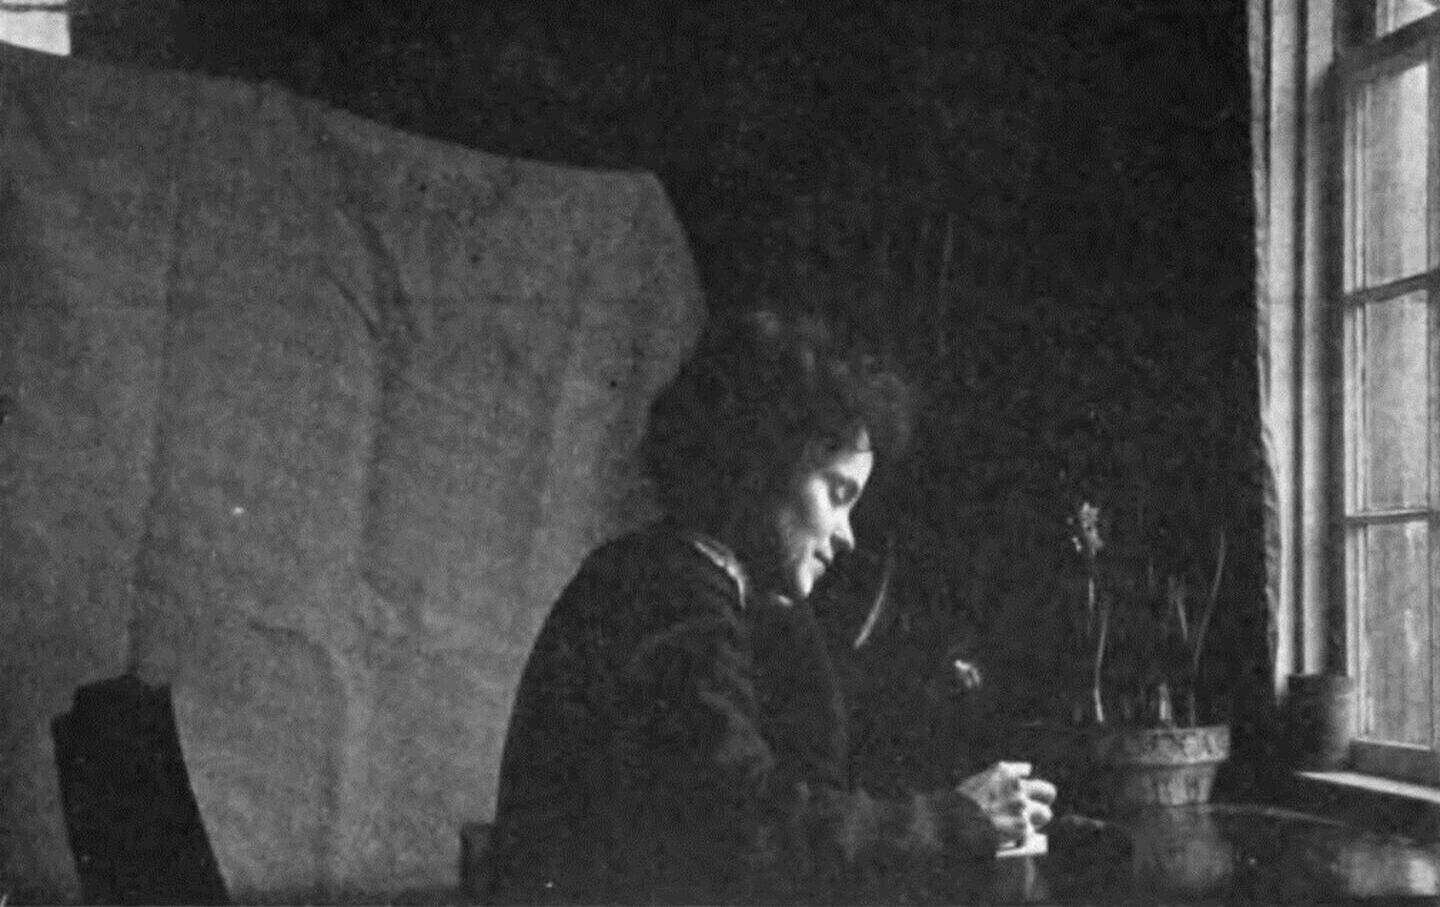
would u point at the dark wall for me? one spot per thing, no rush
(1044, 208)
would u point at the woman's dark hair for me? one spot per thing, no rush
(736, 420)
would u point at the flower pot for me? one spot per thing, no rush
(1116, 769)
(1163, 766)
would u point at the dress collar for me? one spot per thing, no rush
(721, 556)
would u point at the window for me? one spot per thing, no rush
(36, 24)
(1388, 81)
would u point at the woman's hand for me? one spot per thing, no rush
(1016, 803)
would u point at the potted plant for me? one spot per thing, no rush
(1142, 618)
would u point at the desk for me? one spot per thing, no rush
(1227, 852)
(1218, 852)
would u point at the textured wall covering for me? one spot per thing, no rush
(1047, 209)
(310, 419)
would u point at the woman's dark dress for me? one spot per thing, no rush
(674, 742)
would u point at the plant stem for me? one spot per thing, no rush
(1090, 603)
(1209, 609)
(1097, 702)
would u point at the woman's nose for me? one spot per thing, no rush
(844, 540)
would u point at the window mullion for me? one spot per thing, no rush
(1429, 280)
(1398, 515)
(1396, 50)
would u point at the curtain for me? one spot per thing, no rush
(311, 420)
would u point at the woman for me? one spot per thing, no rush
(679, 735)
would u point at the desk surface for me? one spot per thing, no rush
(1225, 852)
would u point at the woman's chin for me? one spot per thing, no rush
(799, 587)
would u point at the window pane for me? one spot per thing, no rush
(1394, 392)
(1392, 148)
(1395, 629)
(36, 27)
(1392, 14)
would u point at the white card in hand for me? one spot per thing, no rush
(1036, 845)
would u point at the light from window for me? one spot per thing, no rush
(37, 24)
(1394, 368)
(1390, 148)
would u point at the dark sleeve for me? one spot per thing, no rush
(698, 735)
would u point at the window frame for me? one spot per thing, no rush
(1362, 59)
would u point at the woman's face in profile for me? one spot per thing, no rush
(812, 522)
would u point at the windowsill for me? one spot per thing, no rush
(1385, 786)
(1382, 804)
